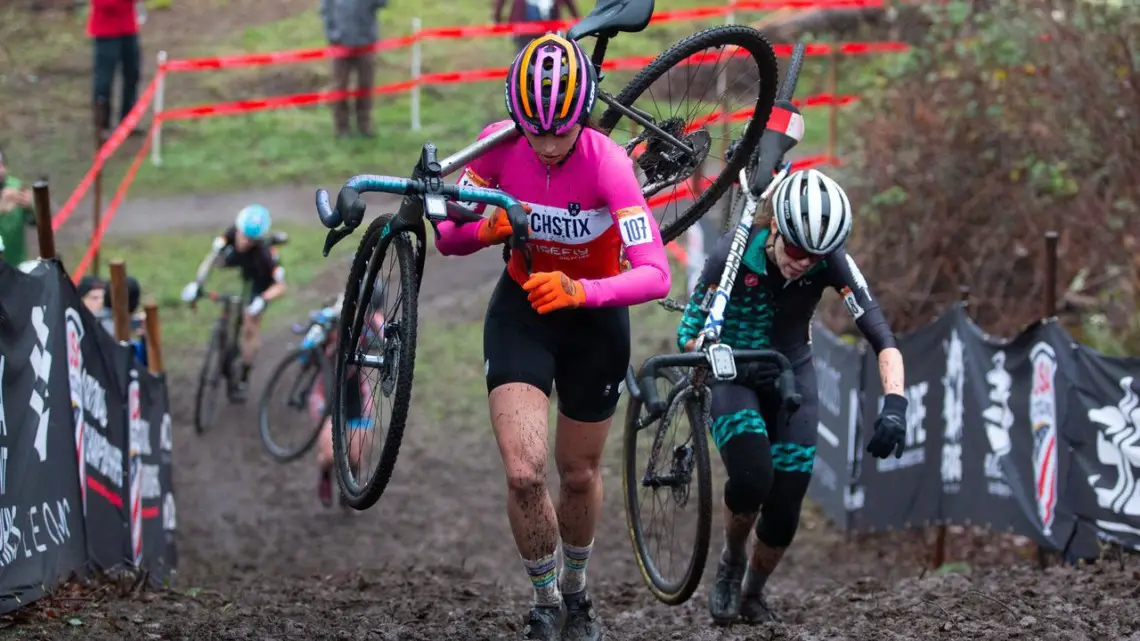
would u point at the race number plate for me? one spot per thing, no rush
(435, 206)
(721, 362)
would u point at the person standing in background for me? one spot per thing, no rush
(114, 27)
(530, 11)
(352, 23)
(15, 214)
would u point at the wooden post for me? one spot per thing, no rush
(153, 339)
(102, 121)
(833, 114)
(1050, 298)
(44, 234)
(120, 311)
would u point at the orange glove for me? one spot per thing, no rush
(550, 291)
(496, 228)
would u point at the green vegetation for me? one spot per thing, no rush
(164, 263)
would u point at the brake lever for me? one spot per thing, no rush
(334, 236)
(520, 232)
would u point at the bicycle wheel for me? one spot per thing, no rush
(683, 464)
(304, 368)
(206, 399)
(663, 163)
(394, 364)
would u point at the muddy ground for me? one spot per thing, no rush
(261, 559)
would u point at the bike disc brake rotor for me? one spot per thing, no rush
(682, 473)
(663, 162)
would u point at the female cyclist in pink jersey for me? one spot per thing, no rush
(566, 325)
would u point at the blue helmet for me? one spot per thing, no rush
(253, 221)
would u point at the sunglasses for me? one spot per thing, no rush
(797, 253)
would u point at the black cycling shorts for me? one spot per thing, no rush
(740, 409)
(582, 352)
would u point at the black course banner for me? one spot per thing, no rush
(41, 516)
(1105, 435)
(907, 491)
(837, 372)
(151, 475)
(96, 367)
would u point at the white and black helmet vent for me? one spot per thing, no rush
(812, 212)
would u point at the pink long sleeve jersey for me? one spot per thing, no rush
(585, 214)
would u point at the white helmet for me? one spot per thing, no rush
(812, 212)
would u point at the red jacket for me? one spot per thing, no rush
(112, 19)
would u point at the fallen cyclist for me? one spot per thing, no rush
(246, 245)
(788, 262)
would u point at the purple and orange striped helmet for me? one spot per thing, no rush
(551, 86)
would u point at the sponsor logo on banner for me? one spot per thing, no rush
(41, 365)
(1043, 417)
(134, 418)
(3, 434)
(89, 407)
(914, 452)
(998, 419)
(953, 409)
(1118, 449)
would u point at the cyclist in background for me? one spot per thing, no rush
(248, 246)
(788, 262)
(359, 396)
(565, 325)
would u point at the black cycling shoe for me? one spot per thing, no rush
(543, 623)
(582, 622)
(724, 600)
(240, 392)
(755, 609)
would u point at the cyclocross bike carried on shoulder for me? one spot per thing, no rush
(302, 368)
(674, 469)
(672, 150)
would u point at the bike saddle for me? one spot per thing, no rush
(612, 16)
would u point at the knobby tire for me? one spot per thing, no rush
(203, 420)
(677, 591)
(323, 377)
(361, 281)
(746, 38)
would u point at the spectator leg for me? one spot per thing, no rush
(106, 54)
(365, 80)
(131, 54)
(341, 68)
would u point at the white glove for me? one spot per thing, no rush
(256, 306)
(190, 292)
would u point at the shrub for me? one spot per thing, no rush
(1014, 117)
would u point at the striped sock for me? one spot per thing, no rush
(543, 574)
(574, 567)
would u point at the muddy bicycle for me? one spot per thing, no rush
(668, 152)
(221, 361)
(686, 377)
(292, 382)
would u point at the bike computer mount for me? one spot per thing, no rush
(431, 173)
(721, 361)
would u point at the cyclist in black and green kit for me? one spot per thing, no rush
(789, 261)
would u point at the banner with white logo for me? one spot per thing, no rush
(41, 514)
(1000, 433)
(69, 412)
(1107, 443)
(837, 371)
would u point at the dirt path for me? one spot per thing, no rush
(432, 560)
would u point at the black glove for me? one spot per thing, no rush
(758, 373)
(890, 428)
